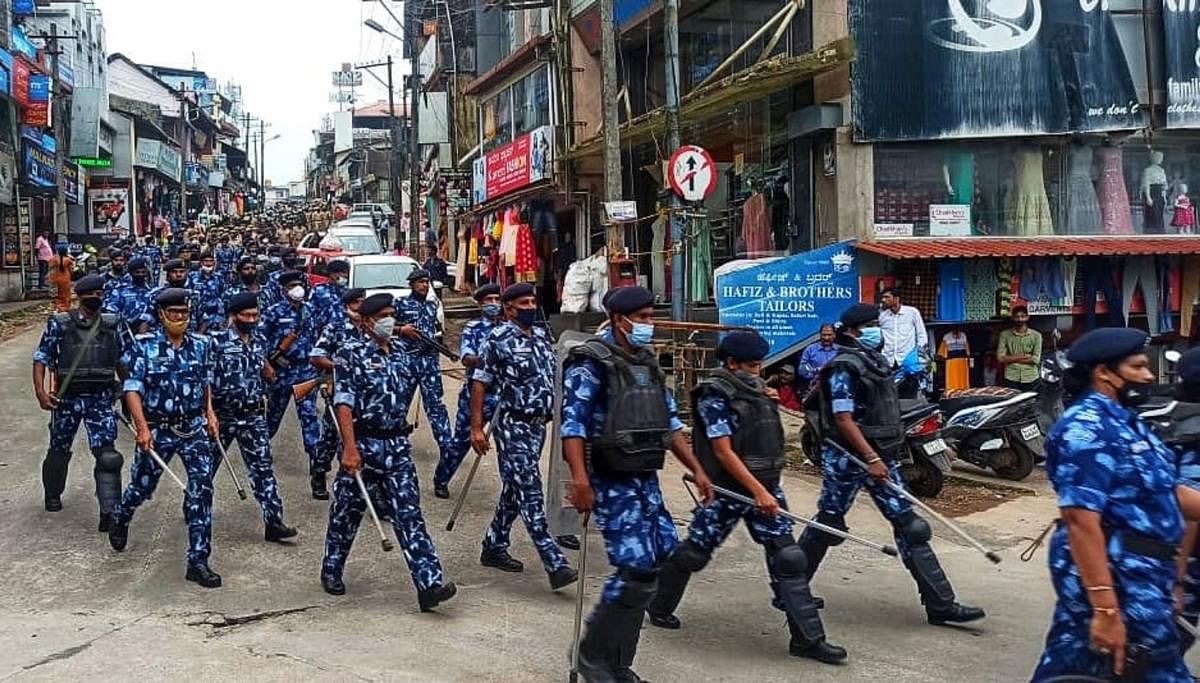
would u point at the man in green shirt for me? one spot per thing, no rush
(1020, 350)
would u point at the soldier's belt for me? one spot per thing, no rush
(1143, 545)
(179, 426)
(362, 431)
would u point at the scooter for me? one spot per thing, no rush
(995, 428)
(1176, 422)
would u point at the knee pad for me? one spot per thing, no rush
(789, 561)
(689, 557)
(914, 530)
(835, 521)
(109, 460)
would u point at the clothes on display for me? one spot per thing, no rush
(959, 170)
(1004, 287)
(701, 263)
(756, 227)
(952, 303)
(1189, 290)
(1098, 277)
(1154, 195)
(956, 351)
(1030, 209)
(1083, 206)
(979, 281)
(1117, 218)
(1042, 277)
(658, 248)
(1139, 271)
(1183, 217)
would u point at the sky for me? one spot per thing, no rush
(281, 52)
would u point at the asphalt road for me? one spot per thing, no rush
(73, 609)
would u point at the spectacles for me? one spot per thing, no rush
(176, 314)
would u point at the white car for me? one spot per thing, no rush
(389, 273)
(347, 236)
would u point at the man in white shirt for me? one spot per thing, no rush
(903, 328)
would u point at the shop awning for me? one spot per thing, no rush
(761, 80)
(1015, 247)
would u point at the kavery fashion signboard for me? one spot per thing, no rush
(522, 162)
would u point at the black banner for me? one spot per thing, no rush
(1181, 43)
(932, 69)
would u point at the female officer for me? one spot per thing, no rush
(1112, 555)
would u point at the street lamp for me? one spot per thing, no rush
(379, 28)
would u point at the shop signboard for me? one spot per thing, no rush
(23, 8)
(39, 88)
(787, 300)
(147, 153)
(950, 220)
(39, 166)
(1181, 45)
(23, 46)
(37, 114)
(522, 162)
(893, 230)
(108, 208)
(6, 69)
(20, 81)
(169, 161)
(66, 75)
(70, 179)
(957, 69)
(195, 176)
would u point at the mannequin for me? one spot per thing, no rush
(1154, 194)
(1083, 206)
(1184, 214)
(1114, 199)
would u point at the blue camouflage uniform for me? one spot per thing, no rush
(172, 384)
(272, 293)
(629, 510)
(133, 304)
(237, 287)
(1189, 475)
(292, 368)
(519, 368)
(150, 316)
(1103, 458)
(114, 282)
(326, 302)
(208, 289)
(93, 409)
(154, 256)
(422, 314)
(378, 388)
(471, 343)
(227, 259)
(333, 338)
(239, 399)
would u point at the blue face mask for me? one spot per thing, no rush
(641, 334)
(491, 310)
(527, 316)
(871, 338)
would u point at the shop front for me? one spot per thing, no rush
(157, 169)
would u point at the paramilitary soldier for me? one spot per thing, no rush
(334, 336)
(169, 395)
(417, 315)
(240, 369)
(373, 386)
(81, 348)
(615, 397)
(517, 363)
(861, 412)
(470, 347)
(739, 440)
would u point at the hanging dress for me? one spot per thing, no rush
(957, 352)
(1083, 206)
(1030, 208)
(658, 246)
(1116, 217)
(526, 262)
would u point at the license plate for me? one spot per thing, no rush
(934, 447)
(1030, 432)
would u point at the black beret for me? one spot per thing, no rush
(339, 266)
(89, 283)
(418, 274)
(375, 303)
(174, 264)
(288, 277)
(171, 296)
(859, 314)
(241, 301)
(626, 300)
(114, 252)
(1107, 345)
(1189, 365)
(486, 291)
(247, 261)
(138, 262)
(207, 254)
(353, 294)
(743, 346)
(517, 291)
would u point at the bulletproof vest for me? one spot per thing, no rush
(1179, 427)
(758, 440)
(637, 427)
(93, 355)
(880, 420)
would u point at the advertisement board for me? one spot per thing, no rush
(524, 161)
(108, 209)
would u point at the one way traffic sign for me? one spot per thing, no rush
(692, 173)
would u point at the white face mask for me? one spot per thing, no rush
(296, 293)
(207, 270)
(384, 327)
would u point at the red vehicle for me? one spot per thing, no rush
(316, 262)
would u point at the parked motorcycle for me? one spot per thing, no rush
(994, 428)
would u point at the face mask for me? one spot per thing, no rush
(207, 270)
(871, 338)
(526, 317)
(90, 303)
(1132, 394)
(491, 310)
(751, 379)
(244, 327)
(641, 334)
(384, 327)
(138, 279)
(117, 270)
(175, 327)
(276, 259)
(296, 293)
(249, 278)
(180, 282)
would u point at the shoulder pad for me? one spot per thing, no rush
(720, 385)
(109, 319)
(593, 349)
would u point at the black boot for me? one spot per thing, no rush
(819, 650)
(107, 474)
(955, 614)
(118, 535)
(333, 585)
(202, 575)
(432, 597)
(562, 577)
(607, 650)
(275, 533)
(570, 541)
(317, 481)
(105, 523)
(672, 582)
(441, 490)
(502, 561)
(54, 480)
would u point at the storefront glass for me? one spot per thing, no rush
(1037, 188)
(517, 109)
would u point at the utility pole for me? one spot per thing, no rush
(56, 121)
(675, 205)
(393, 151)
(262, 159)
(613, 187)
(414, 143)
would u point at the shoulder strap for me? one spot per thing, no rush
(593, 349)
